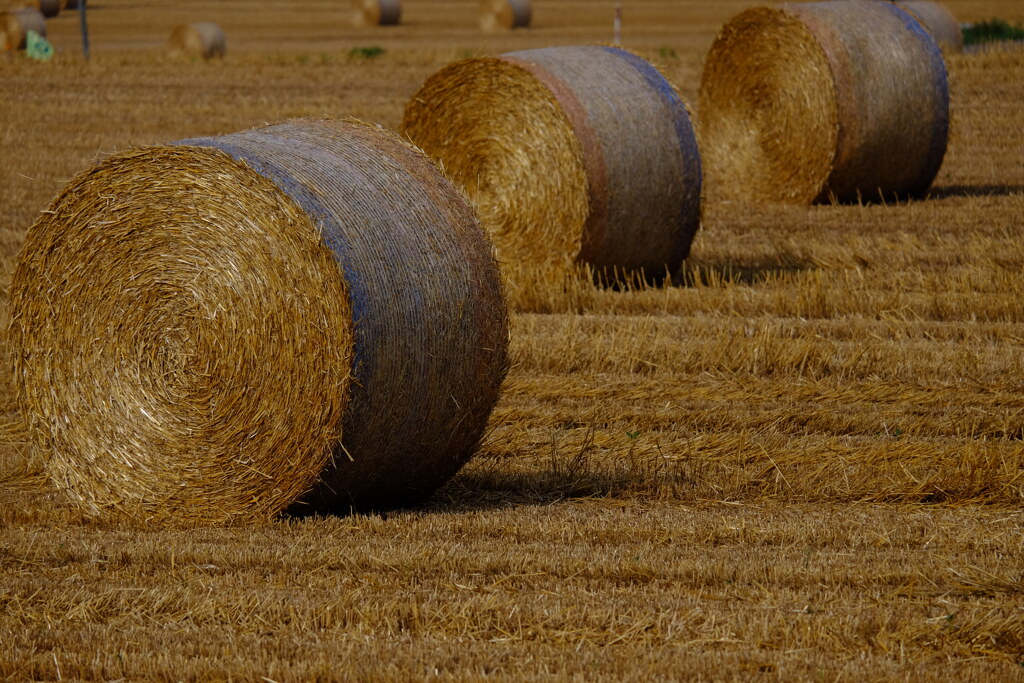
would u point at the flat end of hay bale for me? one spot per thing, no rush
(204, 394)
(199, 40)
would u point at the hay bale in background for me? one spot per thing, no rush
(71, 4)
(195, 326)
(203, 39)
(49, 8)
(376, 12)
(575, 155)
(15, 25)
(504, 14)
(814, 101)
(938, 21)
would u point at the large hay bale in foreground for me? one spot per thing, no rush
(203, 39)
(938, 21)
(376, 12)
(208, 331)
(15, 25)
(815, 101)
(504, 14)
(575, 155)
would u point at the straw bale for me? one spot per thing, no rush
(504, 14)
(15, 25)
(938, 21)
(819, 101)
(574, 155)
(376, 12)
(202, 39)
(49, 8)
(209, 331)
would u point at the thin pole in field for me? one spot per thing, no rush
(617, 26)
(84, 26)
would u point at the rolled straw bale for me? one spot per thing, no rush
(71, 4)
(504, 14)
(376, 12)
(823, 100)
(49, 8)
(938, 21)
(573, 155)
(209, 331)
(15, 25)
(203, 39)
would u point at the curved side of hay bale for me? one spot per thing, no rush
(938, 21)
(571, 155)
(202, 39)
(504, 14)
(817, 101)
(376, 12)
(15, 25)
(49, 8)
(430, 328)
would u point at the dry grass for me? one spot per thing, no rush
(802, 460)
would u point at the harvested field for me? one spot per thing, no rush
(803, 458)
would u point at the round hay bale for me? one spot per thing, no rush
(504, 14)
(376, 12)
(938, 21)
(71, 4)
(305, 314)
(819, 101)
(573, 155)
(15, 25)
(48, 8)
(203, 39)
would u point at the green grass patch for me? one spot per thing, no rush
(371, 52)
(992, 31)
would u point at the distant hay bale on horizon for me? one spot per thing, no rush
(938, 21)
(573, 156)
(49, 8)
(376, 12)
(306, 315)
(504, 14)
(202, 39)
(807, 102)
(15, 25)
